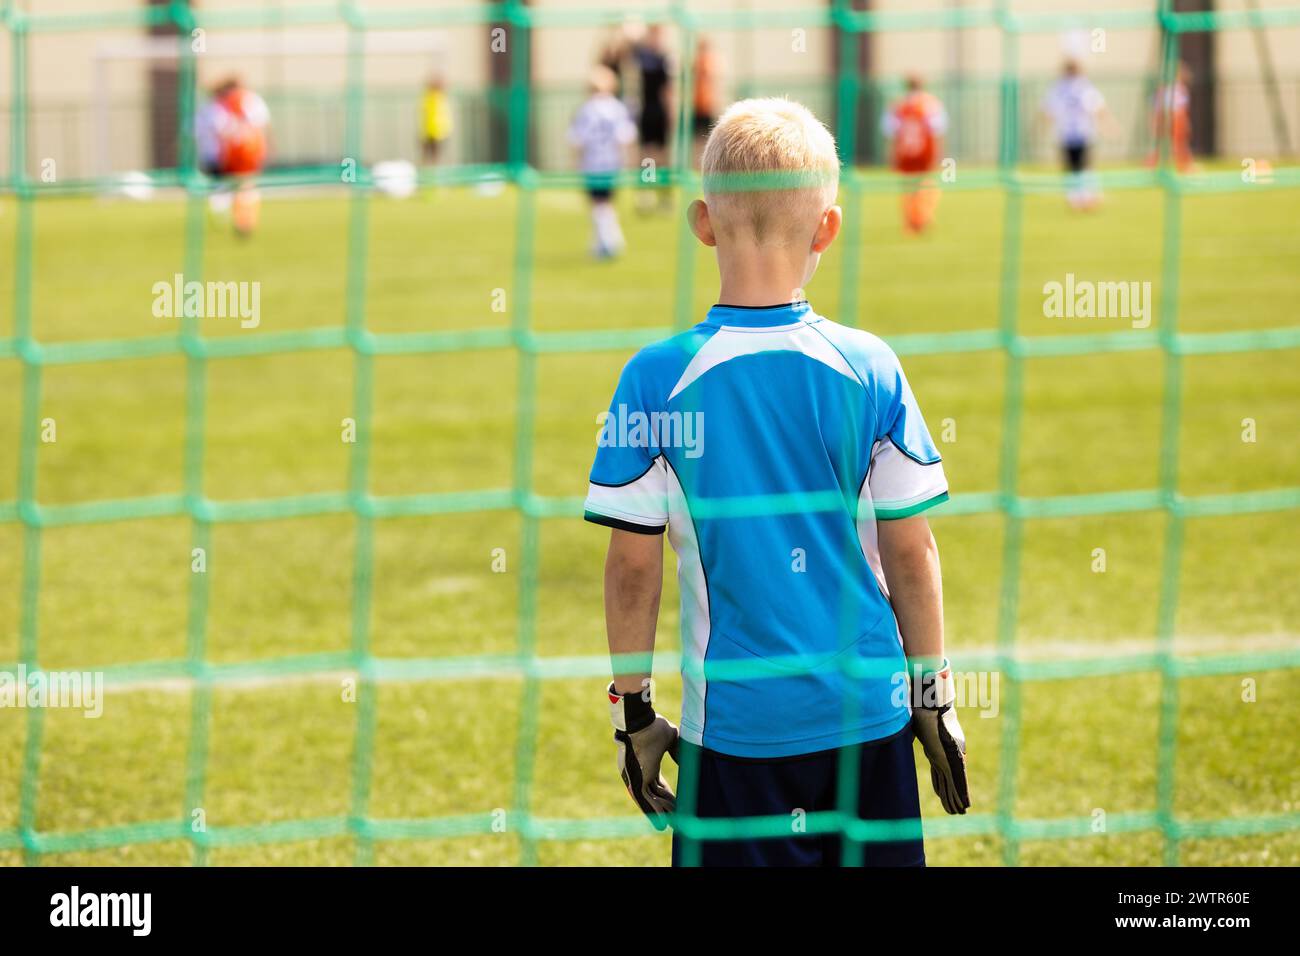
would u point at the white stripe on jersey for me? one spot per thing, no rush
(732, 342)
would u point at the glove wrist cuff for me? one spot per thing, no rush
(631, 712)
(937, 688)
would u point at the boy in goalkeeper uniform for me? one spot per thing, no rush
(811, 603)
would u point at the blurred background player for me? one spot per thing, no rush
(1172, 118)
(1076, 107)
(208, 122)
(708, 97)
(656, 106)
(916, 124)
(613, 55)
(436, 122)
(231, 134)
(601, 131)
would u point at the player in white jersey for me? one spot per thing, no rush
(1076, 107)
(601, 132)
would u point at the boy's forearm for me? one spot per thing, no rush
(910, 558)
(633, 582)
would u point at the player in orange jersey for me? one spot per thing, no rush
(916, 125)
(1172, 118)
(231, 129)
(708, 93)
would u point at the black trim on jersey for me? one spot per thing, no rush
(908, 454)
(621, 525)
(760, 308)
(867, 477)
(624, 484)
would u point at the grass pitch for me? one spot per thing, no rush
(283, 751)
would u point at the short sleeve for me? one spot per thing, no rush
(939, 121)
(628, 486)
(906, 473)
(255, 109)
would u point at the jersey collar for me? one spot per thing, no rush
(761, 316)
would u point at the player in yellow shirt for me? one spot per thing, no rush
(436, 122)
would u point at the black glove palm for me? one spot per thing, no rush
(934, 719)
(643, 737)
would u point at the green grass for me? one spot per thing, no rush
(283, 750)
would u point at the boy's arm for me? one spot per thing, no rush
(634, 569)
(627, 139)
(1109, 124)
(628, 492)
(910, 560)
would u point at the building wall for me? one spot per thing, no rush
(89, 112)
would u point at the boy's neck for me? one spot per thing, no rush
(759, 276)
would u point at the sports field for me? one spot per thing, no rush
(281, 750)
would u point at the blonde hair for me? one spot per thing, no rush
(770, 170)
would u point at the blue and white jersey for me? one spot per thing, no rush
(768, 442)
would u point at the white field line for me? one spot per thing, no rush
(1027, 651)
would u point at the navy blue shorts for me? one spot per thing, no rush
(723, 786)
(1076, 156)
(600, 186)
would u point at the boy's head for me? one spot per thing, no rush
(601, 81)
(770, 173)
(770, 178)
(225, 87)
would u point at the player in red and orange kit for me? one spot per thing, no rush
(232, 134)
(916, 125)
(1172, 118)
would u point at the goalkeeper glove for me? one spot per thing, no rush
(643, 737)
(934, 719)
